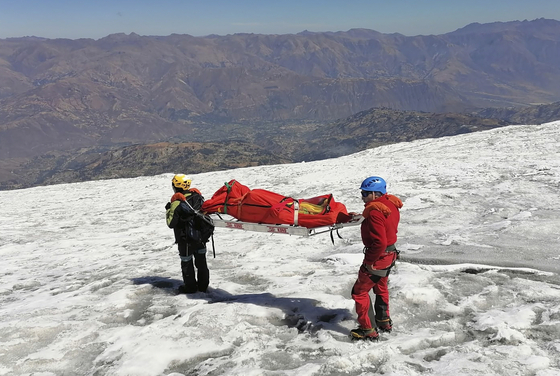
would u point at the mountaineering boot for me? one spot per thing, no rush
(190, 285)
(364, 334)
(187, 289)
(384, 326)
(203, 274)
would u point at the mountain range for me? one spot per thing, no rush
(294, 96)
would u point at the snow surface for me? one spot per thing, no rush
(88, 271)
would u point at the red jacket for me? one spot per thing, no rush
(379, 230)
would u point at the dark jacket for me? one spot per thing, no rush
(182, 218)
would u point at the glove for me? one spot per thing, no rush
(367, 268)
(167, 206)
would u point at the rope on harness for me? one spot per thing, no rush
(383, 272)
(390, 249)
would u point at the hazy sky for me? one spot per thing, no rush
(95, 19)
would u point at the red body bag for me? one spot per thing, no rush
(262, 206)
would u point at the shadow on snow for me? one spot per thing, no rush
(301, 313)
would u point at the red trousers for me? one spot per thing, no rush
(360, 294)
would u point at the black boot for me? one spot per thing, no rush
(382, 319)
(190, 286)
(385, 325)
(203, 274)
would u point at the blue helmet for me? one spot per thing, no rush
(374, 184)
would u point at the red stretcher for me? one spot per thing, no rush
(265, 211)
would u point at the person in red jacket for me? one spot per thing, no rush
(379, 235)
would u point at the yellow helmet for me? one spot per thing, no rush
(181, 181)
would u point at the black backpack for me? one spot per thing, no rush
(201, 228)
(205, 225)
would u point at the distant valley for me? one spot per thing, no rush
(272, 144)
(74, 110)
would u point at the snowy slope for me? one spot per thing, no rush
(88, 271)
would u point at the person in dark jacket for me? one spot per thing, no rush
(181, 217)
(379, 235)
